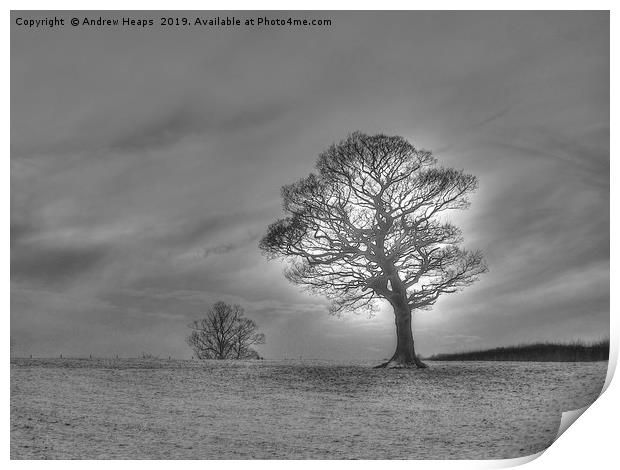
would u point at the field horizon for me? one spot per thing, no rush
(541, 351)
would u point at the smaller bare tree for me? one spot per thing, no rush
(225, 334)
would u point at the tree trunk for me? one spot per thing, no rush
(404, 356)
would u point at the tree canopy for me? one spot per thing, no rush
(368, 224)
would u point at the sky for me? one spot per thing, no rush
(146, 164)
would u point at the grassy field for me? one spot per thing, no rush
(576, 351)
(153, 409)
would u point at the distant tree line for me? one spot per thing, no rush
(537, 352)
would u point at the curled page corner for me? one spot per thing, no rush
(611, 364)
(517, 461)
(568, 418)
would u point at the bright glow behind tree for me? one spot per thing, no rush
(367, 226)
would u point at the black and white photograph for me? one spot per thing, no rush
(306, 234)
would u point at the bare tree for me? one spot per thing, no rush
(245, 336)
(224, 334)
(367, 226)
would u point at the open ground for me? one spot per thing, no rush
(154, 409)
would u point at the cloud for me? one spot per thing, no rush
(190, 232)
(228, 247)
(54, 266)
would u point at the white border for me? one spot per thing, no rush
(311, 5)
(589, 443)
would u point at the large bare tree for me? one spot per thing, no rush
(225, 334)
(368, 226)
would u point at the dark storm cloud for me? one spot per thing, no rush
(589, 162)
(192, 231)
(54, 265)
(230, 246)
(19, 231)
(164, 131)
(186, 121)
(145, 165)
